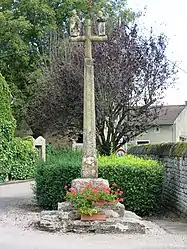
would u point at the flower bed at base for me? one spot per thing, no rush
(89, 199)
(114, 219)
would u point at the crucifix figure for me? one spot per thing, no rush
(89, 161)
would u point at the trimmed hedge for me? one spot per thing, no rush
(141, 180)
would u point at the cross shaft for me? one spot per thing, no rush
(89, 162)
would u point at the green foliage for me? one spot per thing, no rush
(17, 156)
(141, 183)
(139, 179)
(18, 160)
(7, 122)
(126, 160)
(86, 199)
(60, 169)
(26, 33)
(24, 159)
(159, 150)
(7, 126)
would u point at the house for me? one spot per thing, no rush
(170, 126)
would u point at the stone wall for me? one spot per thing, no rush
(174, 157)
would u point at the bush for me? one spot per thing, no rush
(7, 127)
(141, 180)
(17, 156)
(23, 159)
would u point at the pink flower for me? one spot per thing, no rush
(114, 184)
(96, 188)
(72, 190)
(65, 186)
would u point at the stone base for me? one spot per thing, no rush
(66, 219)
(80, 183)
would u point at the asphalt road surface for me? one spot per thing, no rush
(13, 237)
(16, 239)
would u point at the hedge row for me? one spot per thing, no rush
(17, 156)
(141, 180)
(163, 149)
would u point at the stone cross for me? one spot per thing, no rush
(89, 162)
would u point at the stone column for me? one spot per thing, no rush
(89, 161)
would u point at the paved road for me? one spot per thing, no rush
(11, 194)
(38, 240)
(13, 237)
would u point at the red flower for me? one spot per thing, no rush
(72, 190)
(95, 189)
(114, 184)
(107, 192)
(89, 185)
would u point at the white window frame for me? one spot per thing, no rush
(142, 141)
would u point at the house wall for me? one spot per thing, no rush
(181, 124)
(166, 134)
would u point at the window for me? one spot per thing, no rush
(142, 142)
(157, 129)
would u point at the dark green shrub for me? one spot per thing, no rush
(141, 180)
(51, 177)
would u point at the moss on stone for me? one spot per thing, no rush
(178, 149)
(164, 149)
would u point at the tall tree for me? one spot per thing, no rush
(131, 76)
(28, 28)
(130, 84)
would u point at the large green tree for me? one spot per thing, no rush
(28, 28)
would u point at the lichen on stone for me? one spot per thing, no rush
(163, 149)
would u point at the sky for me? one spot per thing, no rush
(169, 17)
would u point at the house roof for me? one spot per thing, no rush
(168, 114)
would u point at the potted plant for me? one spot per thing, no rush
(89, 200)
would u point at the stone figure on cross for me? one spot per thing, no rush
(74, 24)
(101, 24)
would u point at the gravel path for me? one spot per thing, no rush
(17, 229)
